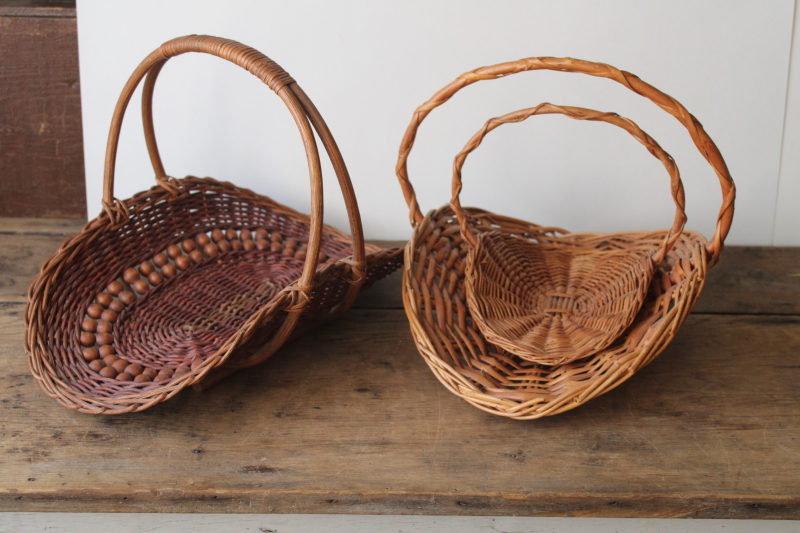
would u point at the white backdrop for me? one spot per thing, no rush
(367, 65)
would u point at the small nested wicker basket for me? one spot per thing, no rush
(195, 278)
(551, 303)
(526, 321)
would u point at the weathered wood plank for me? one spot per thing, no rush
(41, 143)
(351, 420)
(59, 227)
(753, 279)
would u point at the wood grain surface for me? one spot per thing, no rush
(350, 420)
(41, 143)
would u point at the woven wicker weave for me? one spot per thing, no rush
(554, 304)
(442, 309)
(188, 281)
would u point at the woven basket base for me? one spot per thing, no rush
(502, 383)
(103, 344)
(551, 304)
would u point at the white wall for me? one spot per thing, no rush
(367, 65)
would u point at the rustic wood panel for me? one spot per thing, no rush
(351, 420)
(41, 143)
(753, 279)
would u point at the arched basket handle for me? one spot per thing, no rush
(577, 113)
(701, 139)
(302, 110)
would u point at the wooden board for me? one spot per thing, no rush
(351, 420)
(754, 279)
(41, 143)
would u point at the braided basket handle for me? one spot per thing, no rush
(577, 113)
(701, 139)
(299, 105)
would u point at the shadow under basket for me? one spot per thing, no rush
(185, 283)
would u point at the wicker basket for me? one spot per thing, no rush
(195, 278)
(476, 285)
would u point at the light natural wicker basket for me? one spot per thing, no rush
(471, 276)
(182, 284)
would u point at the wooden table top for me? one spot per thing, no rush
(349, 419)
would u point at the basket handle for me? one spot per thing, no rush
(701, 139)
(577, 113)
(302, 110)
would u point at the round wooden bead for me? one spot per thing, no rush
(275, 247)
(146, 268)
(89, 325)
(161, 377)
(217, 235)
(182, 262)
(87, 339)
(149, 372)
(246, 235)
(196, 364)
(288, 252)
(116, 306)
(106, 350)
(182, 369)
(141, 378)
(160, 259)
(103, 326)
(104, 338)
(301, 255)
(108, 372)
(187, 245)
(224, 246)
(261, 233)
(276, 237)
(174, 251)
(97, 365)
(141, 286)
(130, 275)
(231, 234)
(127, 297)
(237, 245)
(196, 256)
(115, 287)
(167, 372)
(322, 256)
(262, 244)
(249, 245)
(210, 249)
(291, 243)
(120, 365)
(110, 360)
(155, 278)
(202, 239)
(91, 354)
(169, 270)
(134, 369)
(303, 248)
(109, 315)
(95, 310)
(104, 299)
(124, 376)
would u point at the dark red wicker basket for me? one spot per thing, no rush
(183, 284)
